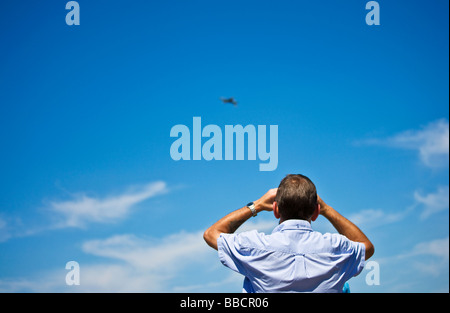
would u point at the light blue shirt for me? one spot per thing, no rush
(294, 258)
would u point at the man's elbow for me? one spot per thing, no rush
(210, 238)
(206, 235)
(370, 249)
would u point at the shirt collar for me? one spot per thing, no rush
(293, 225)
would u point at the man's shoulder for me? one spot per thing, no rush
(251, 235)
(250, 238)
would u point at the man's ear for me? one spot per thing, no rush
(316, 213)
(275, 210)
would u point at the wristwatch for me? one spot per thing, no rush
(251, 206)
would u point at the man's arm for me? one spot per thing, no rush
(231, 222)
(346, 227)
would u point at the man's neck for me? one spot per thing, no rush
(282, 220)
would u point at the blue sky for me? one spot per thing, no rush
(86, 114)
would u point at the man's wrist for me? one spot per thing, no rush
(258, 206)
(251, 206)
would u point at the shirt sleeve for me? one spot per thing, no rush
(233, 252)
(356, 253)
(360, 257)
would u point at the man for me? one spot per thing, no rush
(294, 258)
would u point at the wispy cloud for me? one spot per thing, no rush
(82, 209)
(431, 142)
(163, 254)
(372, 218)
(433, 202)
(438, 250)
(437, 247)
(79, 211)
(429, 257)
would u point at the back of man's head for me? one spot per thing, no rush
(296, 197)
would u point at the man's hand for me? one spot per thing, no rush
(265, 203)
(323, 206)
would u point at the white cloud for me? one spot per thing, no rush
(372, 218)
(80, 211)
(431, 141)
(84, 209)
(437, 247)
(433, 202)
(429, 257)
(164, 254)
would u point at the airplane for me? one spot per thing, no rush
(229, 100)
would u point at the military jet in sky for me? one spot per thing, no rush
(229, 100)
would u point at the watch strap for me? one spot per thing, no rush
(251, 206)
